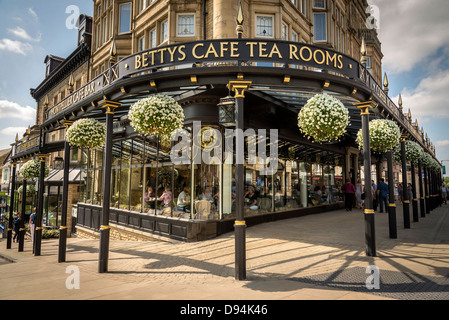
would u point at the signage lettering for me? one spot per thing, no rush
(246, 50)
(282, 52)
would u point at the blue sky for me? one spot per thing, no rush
(414, 36)
(29, 30)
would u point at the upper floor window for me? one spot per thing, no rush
(142, 5)
(186, 24)
(141, 44)
(284, 31)
(125, 17)
(303, 7)
(164, 31)
(319, 4)
(264, 26)
(153, 38)
(319, 27)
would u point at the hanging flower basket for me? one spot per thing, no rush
(156, 115)
(427, 160)
(413, 152)
(32, 169)
(86, 133)
(30, 189)
(323, 118)
(383, 135)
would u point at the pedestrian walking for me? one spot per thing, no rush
(32, 224)
(358, 193)
(349, 192)
(382, 193)
(444, 192)
(16, 227)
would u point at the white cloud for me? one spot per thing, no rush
(13, 131)
(442, 143)
(21, 33)
(429, 98)
(33, 13)
(15, 46)
(411, 31)
(10, 109)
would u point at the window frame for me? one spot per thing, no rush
(317, 7)
(272, 25)
(325, 27)
(194, 24)
(120, 17)
(163, 39)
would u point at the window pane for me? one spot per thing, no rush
(319, 28)
(264, 26)
(125, 17)
(164, 31)
(319, 4)
(153, 38)
(186, 24)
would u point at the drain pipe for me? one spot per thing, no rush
(204, 19)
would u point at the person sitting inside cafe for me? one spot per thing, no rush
(206, 195)
(166, 197)
(183, 203)
(149, 198)
(251, 199)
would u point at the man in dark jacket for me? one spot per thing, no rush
(382, 192)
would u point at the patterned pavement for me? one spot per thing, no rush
(320, 256)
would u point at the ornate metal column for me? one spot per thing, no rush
(415, 200)
(422, 206)
(11, 206)
(426, 188)
(65, 197)
(392, 225)
(110, 107)
(39, 207)
(22, 220)
(240, 226)
(406, 201)
(391, 203)
(368, 212)
(429, 175)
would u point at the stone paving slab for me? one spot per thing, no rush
(315, 257)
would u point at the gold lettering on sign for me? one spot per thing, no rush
(234, 48)
(194, 51)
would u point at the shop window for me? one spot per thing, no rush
(125, 17)
(186, 24)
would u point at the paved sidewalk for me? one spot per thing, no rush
(315, 257)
